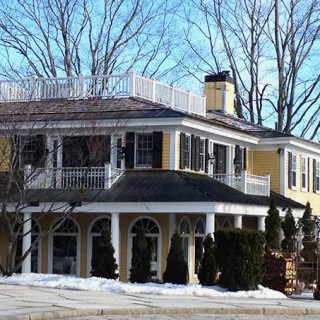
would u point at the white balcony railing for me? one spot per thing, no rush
(98, 178)
(247, 183)
(100, 86)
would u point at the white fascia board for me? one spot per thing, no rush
(155, 207)
(107, 123)
(220, 131)
(289, 142)
(222, 208)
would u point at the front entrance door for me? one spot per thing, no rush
(220, 165)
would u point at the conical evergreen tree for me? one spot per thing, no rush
(140, 262)
(308, 241)
(289, 229)
(103, 263)
(208, 267)
(177, 268)
(272, 223)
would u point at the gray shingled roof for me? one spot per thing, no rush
(123, 108)
(160, 186)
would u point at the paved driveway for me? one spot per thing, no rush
(30, 303)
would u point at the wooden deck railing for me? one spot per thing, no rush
(97, 178)
(100, 86)
(247, 183)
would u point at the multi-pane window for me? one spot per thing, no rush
(317, 176)
(202, 155)
(187, 151)
(32, 151)
(304, 174)
(294, 170)
(144, 150)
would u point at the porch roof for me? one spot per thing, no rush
(162, 186)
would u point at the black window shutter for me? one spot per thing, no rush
(237, 155)
(129, 150)
(206, 156)
(244, 160)
(314, 175)
(290, 170)
(39, 158)
(193, 152)
(197, 153)
(182, 150)
(157, 150)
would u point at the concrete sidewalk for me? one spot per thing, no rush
(35, 303)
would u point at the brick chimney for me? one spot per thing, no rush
(219, 90)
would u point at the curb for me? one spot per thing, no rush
(165, 311)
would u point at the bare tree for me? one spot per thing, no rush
(27, 165)
(271, 49)
(50, 38)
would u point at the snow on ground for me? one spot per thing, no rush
(114, 286)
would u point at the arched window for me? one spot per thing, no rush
(152, 232)
(184, 230)
(94, 236)
(35, 241)
(199, 234)
(64, 247)
(226, 223)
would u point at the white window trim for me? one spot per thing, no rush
(294, 170)
(136, 165)
(317, 175)
(188, 236)
(50, 246)
(203, 155)
(129, 245)
(304, 160)
(188, 136)
(89, 242)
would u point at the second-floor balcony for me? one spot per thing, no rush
(246, 183)
(95, 178)
(101, 87)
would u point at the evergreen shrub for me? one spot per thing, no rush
(177, 268)
(140, 262)
(103, 262)
(239, 255)
(273, 227)
(208, 266)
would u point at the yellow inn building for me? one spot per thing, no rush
(127, 151)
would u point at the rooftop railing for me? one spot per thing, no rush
(94, 178)
(100, 86)
(247, 183)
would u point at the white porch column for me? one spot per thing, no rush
(210, 223)
(172, 225)
(237, 221)
(26, 242)
(281, 235)
(115, 236)
(261, 223)
(173, 165)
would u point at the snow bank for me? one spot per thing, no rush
(113, 286)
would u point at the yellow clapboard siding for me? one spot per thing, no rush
(297, 193)
(166, 151)
(265, 162)
(5, 154)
